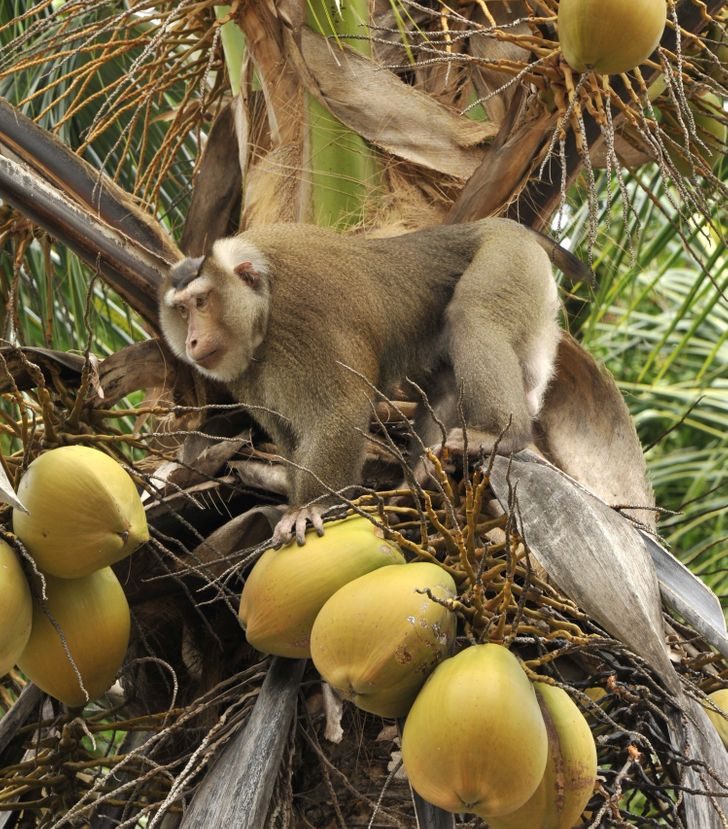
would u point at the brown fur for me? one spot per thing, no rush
(470, 304)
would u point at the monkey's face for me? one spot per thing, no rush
(199, 312)
(214, 318)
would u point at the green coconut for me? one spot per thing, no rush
(93, 614)
(475, 739)
(612, 37)
(710, 127)
(288, 587)
(719, 698)
(378, 637)
(16, 608)
(571, 768)
(84, 512)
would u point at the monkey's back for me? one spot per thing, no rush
(375, 301)
(379, 306)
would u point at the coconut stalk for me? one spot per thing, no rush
(344, 170)
(233, 47)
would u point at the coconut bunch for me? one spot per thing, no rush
(482, 738)
(67, 628)
(479, 737)
(443, 621)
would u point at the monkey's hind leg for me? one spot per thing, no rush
(494, 398)
(502, 332)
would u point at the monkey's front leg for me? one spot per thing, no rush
(329, 458)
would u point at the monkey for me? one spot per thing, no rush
(302, 323)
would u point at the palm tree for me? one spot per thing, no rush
(380, 117)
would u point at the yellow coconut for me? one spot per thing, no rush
(378, 637)
(93, 614)
(475, 739)
(612, 37)
(84, 512)
(16, 608)
(286, 589)
(571, 768)
(720, 699)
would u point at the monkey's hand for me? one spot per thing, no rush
(294, 519)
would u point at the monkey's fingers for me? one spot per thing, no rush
(314, 514)
(294, 521)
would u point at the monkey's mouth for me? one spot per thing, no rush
(208, 360)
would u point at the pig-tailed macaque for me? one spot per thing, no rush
(282, 314)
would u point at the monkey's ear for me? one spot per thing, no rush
(248, 274)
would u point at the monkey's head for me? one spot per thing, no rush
(213, 310)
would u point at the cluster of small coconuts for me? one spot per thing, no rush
(479, 736)
(83, 514)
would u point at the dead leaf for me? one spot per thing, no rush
(592, 553)
(7, 493)
(375, 103)
(587, 431)
(51, 363)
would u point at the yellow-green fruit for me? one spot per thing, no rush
(378, 637)
(475, 739)
(84, 512)
(611, 37)
(93, 614)
(16, 608)
(571, 768)
(719, 698)
(596, 693)
(710, 121)
(286, 589)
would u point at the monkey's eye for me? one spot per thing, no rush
(201, 301)
(182, 311)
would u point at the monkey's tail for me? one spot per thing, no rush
(571, 266)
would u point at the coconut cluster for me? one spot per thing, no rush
(374, 625)
(482, 738)
(479, 736)
(83, 514)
